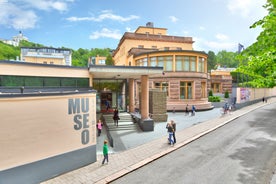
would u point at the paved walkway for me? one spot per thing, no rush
(123, 162)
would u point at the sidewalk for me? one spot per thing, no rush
(126, 161)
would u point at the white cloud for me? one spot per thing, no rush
(128, 29)
(47, 5)
(12, 16)
(22, 14)
(202, 28)
(106, 33)
(222, 37)
(247, 8)
(201, 44)
(173, 18)
(105, 15)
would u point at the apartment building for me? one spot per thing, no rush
(46, 55)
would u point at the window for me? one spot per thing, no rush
(153, 61)
(145, 62)
(187, 63)
(101, 62)
(179, 63)
(160, 61)
(162, 86)
(186, 90)
(201, 64)
(142, 62)
(166, 62)
(154, 47)
(215, 87)
(193, 64)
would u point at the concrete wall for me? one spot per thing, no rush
(250, 94)
(44, 136)
(30, 69)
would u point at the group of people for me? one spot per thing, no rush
(116, 119)
(193, 109)
(171, 128)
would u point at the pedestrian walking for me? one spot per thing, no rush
(193, 110)
(170, 131)
(116, 117)
(105, 152)
(174, 129)
(99, 127)
(187, 110)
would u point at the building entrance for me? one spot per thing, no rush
(111, 94)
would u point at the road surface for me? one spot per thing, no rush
(241, 152)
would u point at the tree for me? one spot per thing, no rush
(259, 60)
(211, 62)
(227, 59)
(109, 60)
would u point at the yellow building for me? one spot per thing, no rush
(184, 75)
(221, 80)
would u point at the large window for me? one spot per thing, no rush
(16, 81)
(201, 64)
(142, 62)
(215, 87)
(186, 90)
(153, 61)
(166, 62)
(193, 64)
(179, 63)
(162, 86)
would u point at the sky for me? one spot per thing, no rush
(214, 25)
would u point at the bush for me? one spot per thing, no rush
(226, 94)
(213, 99)
(210, 93)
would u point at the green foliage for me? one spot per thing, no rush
(210, 93)
(211, 61)
(226, 94)
(213, 99)
(109, 60)
(80, 57)
(8, 52)
(259, 60)
(227, 59)
(25, 43)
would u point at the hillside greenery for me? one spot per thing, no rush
(79, 57)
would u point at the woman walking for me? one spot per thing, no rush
(116, 116)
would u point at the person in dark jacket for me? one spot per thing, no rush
(174, 129)
(116, 116)
(170, 131)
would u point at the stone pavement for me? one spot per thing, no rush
(123, 162)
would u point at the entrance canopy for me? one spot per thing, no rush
(123, 72)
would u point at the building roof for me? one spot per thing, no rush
(151, 37)
(123, 72)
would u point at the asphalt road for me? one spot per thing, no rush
(241, 152)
